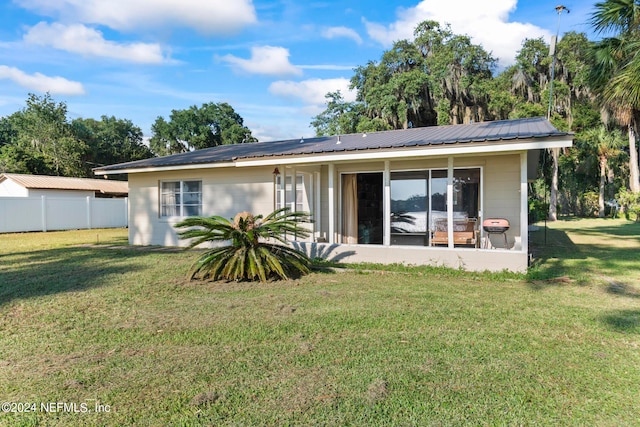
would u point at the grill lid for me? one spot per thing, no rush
(495, 225)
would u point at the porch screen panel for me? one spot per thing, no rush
(466, 191)
(300, 193)
(409, 205)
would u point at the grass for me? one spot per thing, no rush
(375, 346)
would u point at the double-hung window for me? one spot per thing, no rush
(180, 198)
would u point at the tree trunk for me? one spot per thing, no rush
(603, 173)
(634, 182)
(553, 192)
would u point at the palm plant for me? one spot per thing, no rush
(615, 74)
(256, 248)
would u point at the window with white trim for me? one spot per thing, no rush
(180, 198)
(300, 193)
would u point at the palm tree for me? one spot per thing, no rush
(615, 75)
(606, 144)
(253, 251)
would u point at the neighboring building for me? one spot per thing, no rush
(416, 196)
(18, 185)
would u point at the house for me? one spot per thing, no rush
(374, 197)
(18, 185)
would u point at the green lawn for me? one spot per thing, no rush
(407, 346)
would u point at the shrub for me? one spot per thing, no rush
(630, 202)
(256, 247)
(589, 204)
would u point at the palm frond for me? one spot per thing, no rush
(249, 255)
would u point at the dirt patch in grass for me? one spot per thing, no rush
(377, 391)
(206, 398)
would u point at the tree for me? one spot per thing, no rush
(195, 128)
(8, 132)
(249, 255)
(109, 141)
(439, 78)
(615, 75)
(459, 71)
(41, 140)
(340, 116)
(605, 144)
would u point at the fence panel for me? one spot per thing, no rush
(107, 214)
(66, 213)
(20, 214)
(44, 213)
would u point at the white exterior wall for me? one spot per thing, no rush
(81, 194)
(502, 195)
(225, 192)
(8, 188)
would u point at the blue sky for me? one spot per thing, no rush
(273, 61)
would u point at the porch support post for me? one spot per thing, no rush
(450, 201)
(332, 204)
(294, 191)
(386, 203)
(524, 205)
(283, 186)
(317, 214)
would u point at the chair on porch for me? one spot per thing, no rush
(465, 232)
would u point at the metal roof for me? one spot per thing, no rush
(481, 132)
(102, 186)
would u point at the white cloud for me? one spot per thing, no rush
(41, 83)
(268, 60)
(207, 17)
(329, 67)
(87, 41)
(487, 25)
(312, 92)
(337, 32)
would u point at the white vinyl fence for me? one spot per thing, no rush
(44, 213)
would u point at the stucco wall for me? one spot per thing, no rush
(502, 194)
(466, 258)
(225, 192)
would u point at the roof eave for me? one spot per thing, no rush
(433, 150)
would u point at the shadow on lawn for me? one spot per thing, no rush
(559, 256)
(629, 230)
(47, 272)
(623, 321)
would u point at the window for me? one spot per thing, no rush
(180, 198)
(299, 207)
